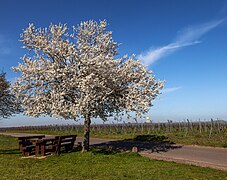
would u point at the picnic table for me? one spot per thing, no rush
(55, 145)
(26, 145)
(40, 145)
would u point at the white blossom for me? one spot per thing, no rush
(70, 73)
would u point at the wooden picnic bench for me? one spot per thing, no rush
(57, 145)
(26, 145)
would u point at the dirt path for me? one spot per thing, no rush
(196, 155)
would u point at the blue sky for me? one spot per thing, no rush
(183, 42)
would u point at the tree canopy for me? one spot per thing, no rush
(74, 72)
(8, 102)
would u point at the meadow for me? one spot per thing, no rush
(96, 164)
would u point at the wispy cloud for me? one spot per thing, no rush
(186, 37)
(168, 90)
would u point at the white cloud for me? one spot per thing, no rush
(187, 37)
(168, 90)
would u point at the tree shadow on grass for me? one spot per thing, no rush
(150, 143)
(9, 151)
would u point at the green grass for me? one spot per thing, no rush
(193, 138)
(216, 140)
(97, 164)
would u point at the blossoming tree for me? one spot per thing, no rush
(74, 73)
(8, 102)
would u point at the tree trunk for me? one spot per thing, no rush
(87, 123)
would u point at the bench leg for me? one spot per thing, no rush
(37, 149)
(43, 150)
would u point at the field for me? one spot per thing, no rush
(212, 133)
(97, 164)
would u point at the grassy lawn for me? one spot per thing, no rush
(216, 140)
(96, 164)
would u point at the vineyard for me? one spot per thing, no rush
(187, 127)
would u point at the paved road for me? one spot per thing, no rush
(196, 155)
